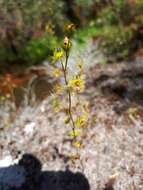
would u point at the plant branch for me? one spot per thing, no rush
(69, 94)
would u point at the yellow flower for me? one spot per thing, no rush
(77, 84)
(77, 144)
(59, 89)
(75, 133)
(56, 104)
(56, 73)
(80, 65)
(49, 28)
(58, 55)
(133, 113)
(81, 121)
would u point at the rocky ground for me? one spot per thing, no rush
(35, 151)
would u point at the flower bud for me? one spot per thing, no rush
(67, 44)
(70, 29)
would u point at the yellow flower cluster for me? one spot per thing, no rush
(82, 120)
(71, 86)
(57, 73)
(59, 89)
(75, 133)
(77, 144)
(58, 55)
(77, 84)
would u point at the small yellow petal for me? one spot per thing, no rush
(77, 84)
(56, 104)
(58, 55)
(77, 144)
(75, 133)
(82, 120)
(59, 89)
(56, 73)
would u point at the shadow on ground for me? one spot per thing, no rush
(27, 175)
(126, 85)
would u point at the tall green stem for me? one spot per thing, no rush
(69, 94)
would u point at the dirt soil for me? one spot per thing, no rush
(112, 153)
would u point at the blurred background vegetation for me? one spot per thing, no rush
(31, 29)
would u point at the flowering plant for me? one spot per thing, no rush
(76, 111)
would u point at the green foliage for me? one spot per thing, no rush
(83, 35)
(117, 41)
(26, 28)
(107, 17)
(140, 6)
(119, 24)
(39, 49)
(31, 14)
(85, 3)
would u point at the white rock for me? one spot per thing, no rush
(42, 108)
(29, 128)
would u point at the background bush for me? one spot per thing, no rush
(122, 27)
(27, 28)
(30, 29)
(119, 23)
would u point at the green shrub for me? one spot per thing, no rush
(85, 3)
(107, 17)
(121, 25)
(117, 41)
(24, 26)
(39, 49)
(83, 35)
